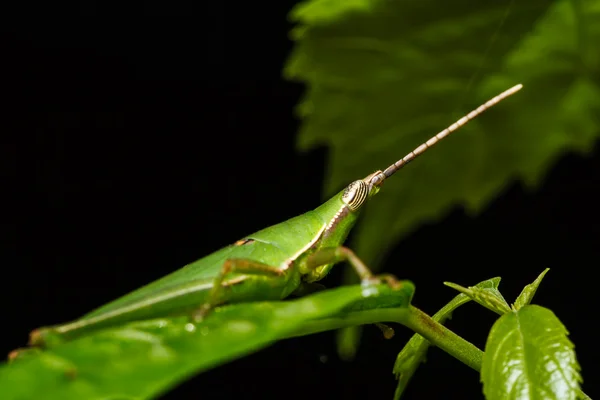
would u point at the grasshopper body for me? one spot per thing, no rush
(270, 264)
(281, 246)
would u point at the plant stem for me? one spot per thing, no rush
(442, 337)
(410, 317)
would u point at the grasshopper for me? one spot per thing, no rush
(270, 264)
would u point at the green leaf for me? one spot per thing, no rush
(327, 11)
(528, 356)
(490, 298)
(415, 350)
(384, 76)
(529, 291)
(582, 396)
(144, 359)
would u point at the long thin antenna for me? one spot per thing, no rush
(392, 169)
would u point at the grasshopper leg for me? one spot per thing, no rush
(233, 265)
(333, 255)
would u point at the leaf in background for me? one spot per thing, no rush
(384, 76)
(529, 291)
(559, 108)
(413, 353)
(144, 359)
(528, 356)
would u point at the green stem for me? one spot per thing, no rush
(410, 317)
(442, 337)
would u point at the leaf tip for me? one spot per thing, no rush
(456, 287)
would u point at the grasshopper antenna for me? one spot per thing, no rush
(378, 178)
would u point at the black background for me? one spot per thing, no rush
(129, 150)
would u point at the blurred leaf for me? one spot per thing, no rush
(490, 299)
(415, 350)
(528, 356)
(582, 396)
(144, 359)
(384, 76)
(529, 291)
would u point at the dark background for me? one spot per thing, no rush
(129, 150)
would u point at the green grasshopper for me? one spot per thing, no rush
(270, 264)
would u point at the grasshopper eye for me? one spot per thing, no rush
(355, 194)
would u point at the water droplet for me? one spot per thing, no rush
(323, 358)
(369, 291)
(240, 326)
(190, 327)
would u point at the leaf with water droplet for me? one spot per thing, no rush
(144, 359)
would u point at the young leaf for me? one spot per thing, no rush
(529, 291)
(582, 396)
(413, 353)
(528, 356)
(144, 359)
(490, 298)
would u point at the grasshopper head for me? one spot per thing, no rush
(357, 193)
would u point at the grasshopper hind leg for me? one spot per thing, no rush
(230, 266)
